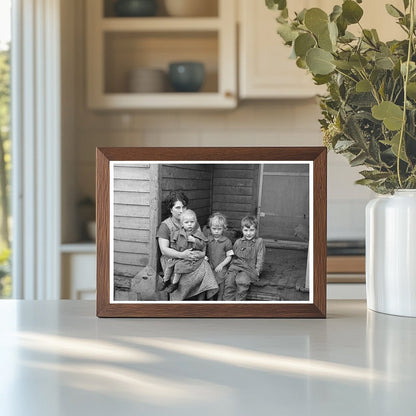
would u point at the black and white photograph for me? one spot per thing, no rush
(210, 231)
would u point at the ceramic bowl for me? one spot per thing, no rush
(191, 8)
(147, 80)
(135, 8)
(186, 76)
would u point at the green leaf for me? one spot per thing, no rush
(281, 19)
(333, 32)
(336, 12)
(285, 13)
(301, 63)
(321, 79)
(303, 43)
(396, 70)
(375, 35)
(301, 15)
(374, 174)
(292, 52)
(368, 36)
(363, 86)
(381, 89)
(391, 114)
(343, 145)
(359, 160)
(384, 62)
(319, 61)
(325, 42)
(342, 25)
(354, 132)
(393, 11)
(276, 4)
(347, 37)
(358, 61)
(394, 143)
(374, 150)
(362, 99)
(406, 4)
(412, 67)
(345, 65)
(316, 20)
(287, 33)
(351, 11)
(411, 90)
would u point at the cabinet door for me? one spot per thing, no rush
(78, 276)
(266, 71)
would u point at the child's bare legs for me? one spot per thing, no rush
(175, 283)
(221, 287)
(167, 275)
(201, 296)
(243, 282)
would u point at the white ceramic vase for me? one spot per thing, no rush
(391, 253)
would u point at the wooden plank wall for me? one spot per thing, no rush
(136, 216)
(235, 191)
(195, 180)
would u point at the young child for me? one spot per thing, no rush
(247, 262)
(188, 237)
(219, 250)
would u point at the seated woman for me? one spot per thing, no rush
(200, 282)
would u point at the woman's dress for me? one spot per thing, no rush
(191, 284)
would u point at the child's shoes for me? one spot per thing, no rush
(172, 287)
(166, 283)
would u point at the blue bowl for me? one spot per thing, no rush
(135, 8)
(186, 76)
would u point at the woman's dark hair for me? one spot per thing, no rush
(176, 196)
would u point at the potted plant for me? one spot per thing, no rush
(368, 116)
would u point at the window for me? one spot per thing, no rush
(5, 147)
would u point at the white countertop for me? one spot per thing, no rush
(57, 358)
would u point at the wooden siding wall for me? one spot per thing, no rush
(136, 216)
(235, 191)
(195, 181)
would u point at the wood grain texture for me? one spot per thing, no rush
(317, 309)
(346, 264)
(103, 231)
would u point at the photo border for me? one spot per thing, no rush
(316, 308)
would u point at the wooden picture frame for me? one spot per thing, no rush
(124, 279)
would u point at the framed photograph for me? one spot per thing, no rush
(211, 232)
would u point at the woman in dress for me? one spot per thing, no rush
(200, 283)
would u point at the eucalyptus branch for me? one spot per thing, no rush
(392, 91)
(374, 92)
(346, 75)
(405, 81)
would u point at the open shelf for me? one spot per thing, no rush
(209, 9)
(118, 45)
(160, 24)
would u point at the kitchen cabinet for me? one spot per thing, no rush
(265, 70)
(78, 262)
(118, 45)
